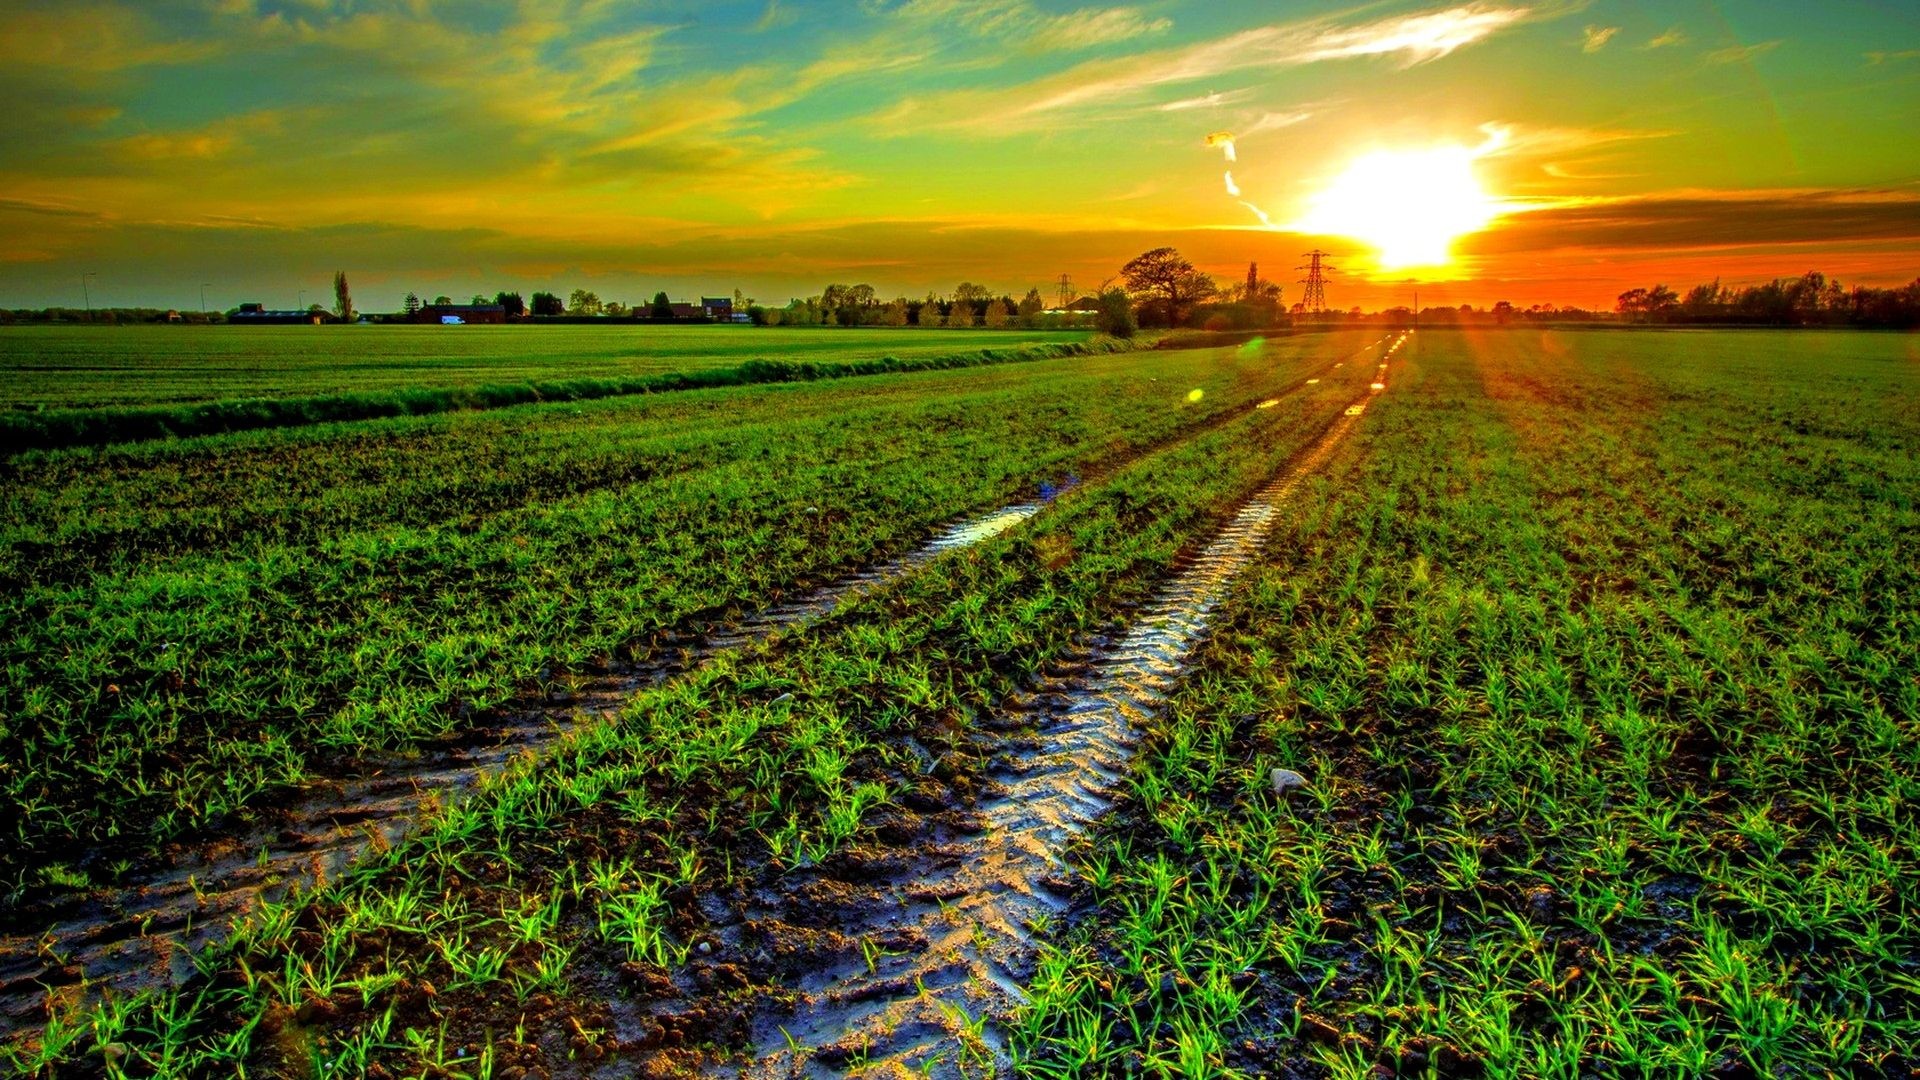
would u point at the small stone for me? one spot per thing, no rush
(1285, 780)
(705, 947)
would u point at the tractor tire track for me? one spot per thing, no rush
(946, 944)
(144, 933)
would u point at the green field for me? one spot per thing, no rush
(1597, 651)
(75, 367)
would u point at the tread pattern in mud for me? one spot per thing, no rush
(947, 945)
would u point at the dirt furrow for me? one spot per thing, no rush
(945, 944)
(145, 933)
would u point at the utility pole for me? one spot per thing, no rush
(1315, 299)
(86, 294)
(1066, 290)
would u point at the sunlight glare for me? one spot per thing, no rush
(1409, 205)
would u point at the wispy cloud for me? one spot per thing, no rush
(1877, 58)
(1597, 38)
(1741, 54)
(1034, 30)
(1210, 100)
(1413, 39)
(1272, 121)
(1416, 38)
(1673, 36)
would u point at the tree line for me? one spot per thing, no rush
(1812, 299)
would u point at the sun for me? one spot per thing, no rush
(1409, 205)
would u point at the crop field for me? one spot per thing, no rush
(1588, 661)
(73, 367)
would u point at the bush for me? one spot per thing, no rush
(1115, 314)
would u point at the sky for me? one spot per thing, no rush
(251, 148)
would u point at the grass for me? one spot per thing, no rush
(41, 429)
(193, 624)
(557, 887)
(81, 367)
(1596, 650)
(1599, 653)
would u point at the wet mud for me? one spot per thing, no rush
(144, 932)
(934, 935)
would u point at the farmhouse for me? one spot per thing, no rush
(451, 314)
(717, 308)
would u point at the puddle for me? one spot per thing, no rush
(948, 940)
(143, 934)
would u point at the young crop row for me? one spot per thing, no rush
(82, 367)
(529, 925)
(1597, 654)
(295, 603)
(23, 431)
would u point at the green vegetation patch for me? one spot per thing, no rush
(1598, 655)
(192, 624)
(532, 925)
(475, 388)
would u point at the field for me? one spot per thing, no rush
(76, 367)
(1589, 658)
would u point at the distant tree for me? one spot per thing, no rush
(996, 314)
(742, 303)
(1169, 281)
(442, 300)
(515, 307)
(1252, 288)
(662, 308)
(1115, 313)
(895, 313)
(1661, 300)
(1502, 311)
(546, 303)
(1631, 303)
(412, 304)
(1031, 308)
(1702, 299)
(583, 302)
(615, 308)
(929, 313)
(342, 296)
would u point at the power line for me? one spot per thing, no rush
(1066, 290)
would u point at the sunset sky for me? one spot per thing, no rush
(777, 146)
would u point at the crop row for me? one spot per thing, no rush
(317, 601)
(504, 930)
(22, 431)
(1597, 654)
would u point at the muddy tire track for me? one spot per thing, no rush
(939, 949)
(143, 933)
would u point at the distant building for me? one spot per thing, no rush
(691, 312)
(459, 314)
(718, 308)
(260, 315)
